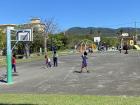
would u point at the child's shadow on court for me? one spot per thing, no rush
(76, 71)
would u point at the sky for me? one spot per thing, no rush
(73, 13)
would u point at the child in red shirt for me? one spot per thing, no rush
(14, 62)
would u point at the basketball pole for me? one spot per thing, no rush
(9, 56)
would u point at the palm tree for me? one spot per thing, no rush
(121, 41)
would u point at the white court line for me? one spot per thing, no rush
(69, 73)
(40, 83)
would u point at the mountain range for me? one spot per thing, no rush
(106, 32)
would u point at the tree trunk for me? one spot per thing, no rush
(45, 45)
(27, 52)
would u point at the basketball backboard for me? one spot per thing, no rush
(97, 39)
(21, 35)
(24, 35)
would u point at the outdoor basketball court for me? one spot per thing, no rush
(111, 73)
(15, 35)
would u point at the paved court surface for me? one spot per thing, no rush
(111, 73)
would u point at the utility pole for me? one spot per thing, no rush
(46, 38)
(45, 34)
(45, 44)
(136, 36)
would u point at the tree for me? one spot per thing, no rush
(60, 41)
(121, 31)
(62, 37)
(2, 40)
(38, 41)
(49, 26)
(110, 41)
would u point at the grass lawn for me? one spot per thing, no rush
(34, 58)
(43, 99)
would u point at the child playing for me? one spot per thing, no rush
(84, 62)
(55, 59)
(14, 63)
(48, 61)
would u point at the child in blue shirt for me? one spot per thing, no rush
(84, 62)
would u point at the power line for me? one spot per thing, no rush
(121, 25)
(129, 24)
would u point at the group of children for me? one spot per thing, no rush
(55, 60)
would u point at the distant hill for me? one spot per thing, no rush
(107, 32)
